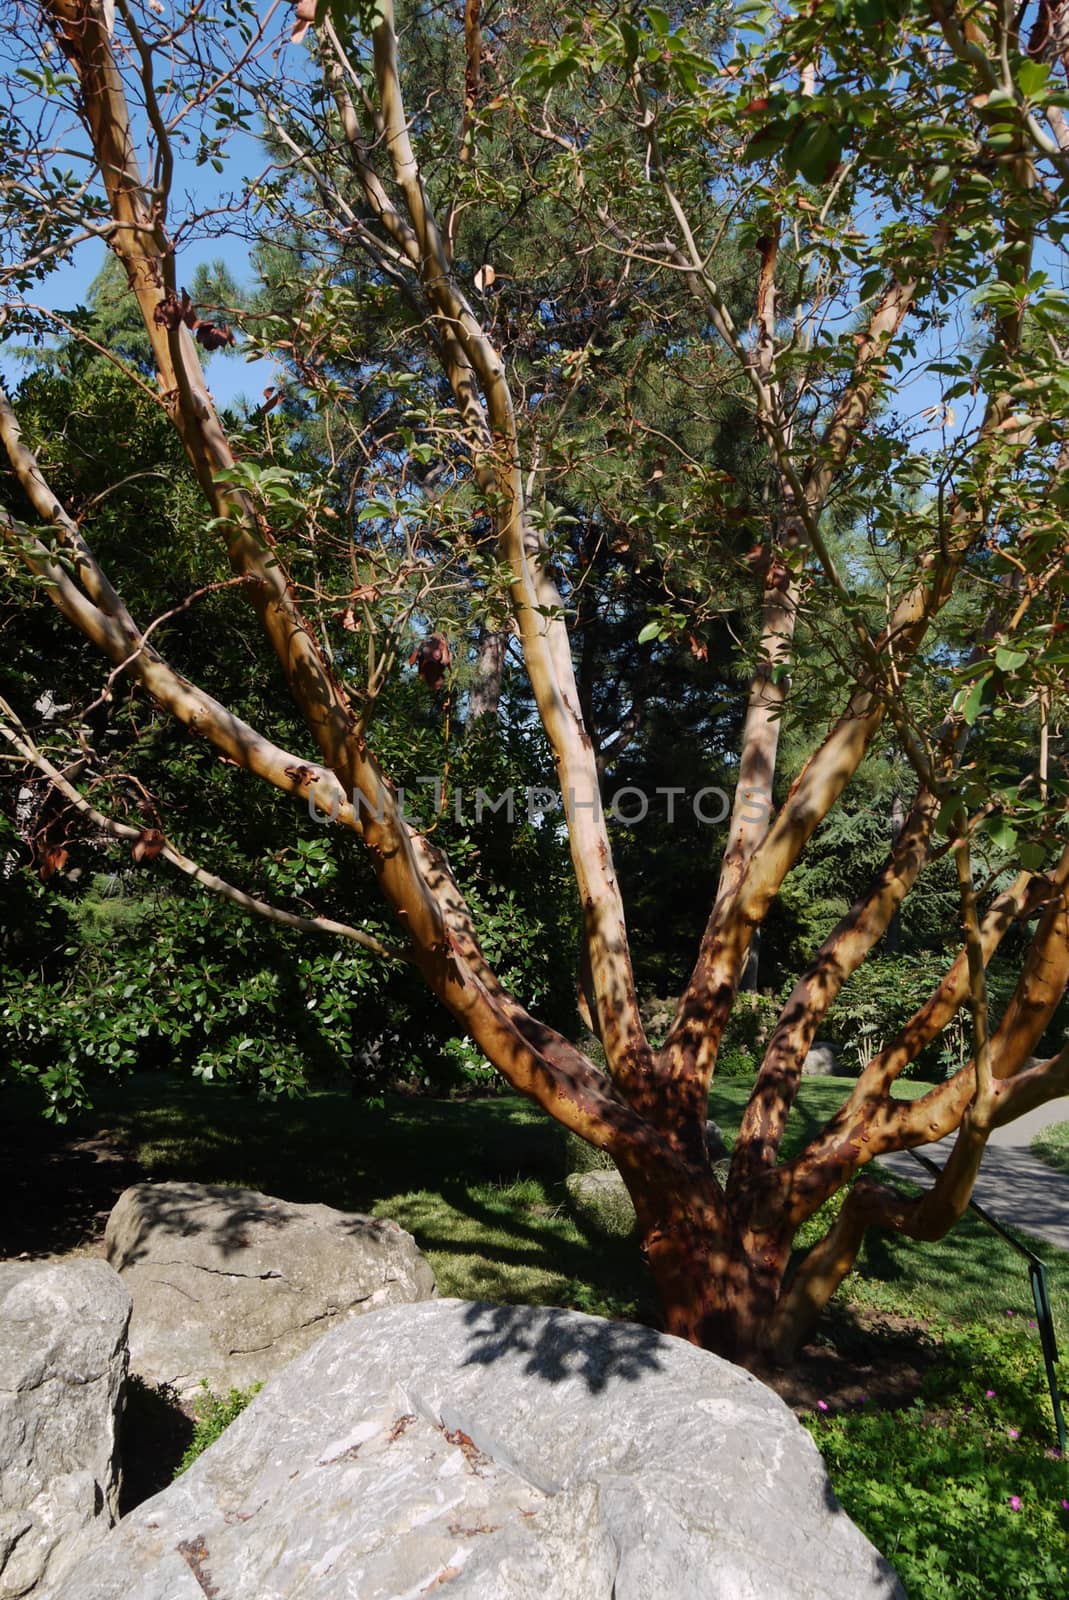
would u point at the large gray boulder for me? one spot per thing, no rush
(228, 1285)
(62, 1368)
(498, 1453)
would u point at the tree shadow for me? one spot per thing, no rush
(558, 1346)
(612, 1267)
(190, 1210)
(59, 1184)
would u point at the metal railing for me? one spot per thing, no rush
(1037, 1275)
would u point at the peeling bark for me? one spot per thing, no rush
(719, 1255)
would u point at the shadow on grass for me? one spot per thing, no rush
(478, 1183)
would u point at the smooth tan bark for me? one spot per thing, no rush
(719, 1258)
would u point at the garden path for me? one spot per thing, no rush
(1012, 1185)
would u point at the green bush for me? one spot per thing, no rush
(753, 1017)
(962, 1492)
(735, 1063)
(215, 1413)
(880, 997)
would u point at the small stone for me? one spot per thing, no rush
(821, 1062)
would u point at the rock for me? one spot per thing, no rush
(821, 1061)
(601, 1199)
(228, 1285)
(714, 1139)
(63, 1340)
(498, 1453)
(582, 1157)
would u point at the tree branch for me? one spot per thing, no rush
(18, 737)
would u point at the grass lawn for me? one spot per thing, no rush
(970, 1274)
(960, 1490)
(1052, 1146)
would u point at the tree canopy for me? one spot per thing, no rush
(667, 400)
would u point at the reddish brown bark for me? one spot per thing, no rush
(720, 1258)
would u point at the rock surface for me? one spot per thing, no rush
(498, 1453)
(714, 1139)
(62, 1367)
(821, 1061)
(228, 1285)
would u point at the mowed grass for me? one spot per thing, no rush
(480, 1184)
(1052, 1146)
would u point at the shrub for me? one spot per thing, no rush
(880, 997)
(962, 1492)
(750, 1025)
(735, 1063)
(215, 1413)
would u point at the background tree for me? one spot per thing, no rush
(874, 176)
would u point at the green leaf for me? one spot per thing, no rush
(652, 630)
(1001, 832)
(1031, 855)
(1032, 76)
(815, 151)
(974, 700)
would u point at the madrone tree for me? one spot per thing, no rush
(887, 184)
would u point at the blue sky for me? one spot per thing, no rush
(229, 377)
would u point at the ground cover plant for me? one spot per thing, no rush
(926, 1392)
(213, 1414)
(782, 212)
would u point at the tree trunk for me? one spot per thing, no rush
(489, 673)
(717, 1282)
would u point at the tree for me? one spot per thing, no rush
(878, 172)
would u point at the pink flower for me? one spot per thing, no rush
(1015, 1433)
(1015, 1502)
(822, 1405)
(1065, 1505)
(990, 1393)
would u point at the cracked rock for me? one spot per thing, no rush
(498, 1453)
(228, 1285)
(63, 1345)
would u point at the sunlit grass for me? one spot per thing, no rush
(1052, 1146)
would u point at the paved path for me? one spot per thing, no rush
(1011, 1184)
